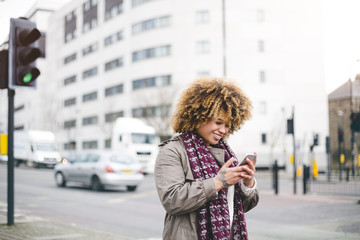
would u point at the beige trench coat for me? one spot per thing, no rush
(180, 194)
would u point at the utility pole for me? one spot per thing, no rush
(224, 37)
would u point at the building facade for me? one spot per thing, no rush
(113, 58)
(342, 102)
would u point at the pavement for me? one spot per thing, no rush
(282, 216)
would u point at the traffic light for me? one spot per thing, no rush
(23, 52)
(4, 74)
(355, 122)
(341, 134)
(316, 140)
(290, 126)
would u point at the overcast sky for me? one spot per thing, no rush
(341, 35)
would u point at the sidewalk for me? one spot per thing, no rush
(28, 227)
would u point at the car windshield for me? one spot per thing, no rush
(45, 147)
(122, 158)
(143, 138)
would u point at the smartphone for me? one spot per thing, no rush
(251, 156)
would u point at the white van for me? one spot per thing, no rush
(35, 148)
(134, 137)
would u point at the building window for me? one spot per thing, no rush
(89, 145)
(113, 8)
(69, 102)
(139, 2)
(69, 124)
(263, 138)
(19, 108)
(89, 97)
(111, 117)
(262, 108)
(70, 58)
(202, 16)
(153, 23)
(203, 73)
(118, 89)
(260, 15)
(90, 121)
(70, 145)
(148, 53)
(155, 111)
(89, 49)
(118, 36)
(202, 47)
(158, 81)
(70, 26)
(90, 15)
(262, 76)
(108, 143)
(69, 80)
(89, 73)
(114, 64)
(261, 46)
(17, 128)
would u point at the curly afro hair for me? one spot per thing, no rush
(206, 98)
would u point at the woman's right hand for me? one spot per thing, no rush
(227, 176)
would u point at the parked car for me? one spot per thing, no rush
(99, 170)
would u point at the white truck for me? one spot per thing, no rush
(35, 148)
(134, 137)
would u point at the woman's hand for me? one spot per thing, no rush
(227, 176)
(248, 172)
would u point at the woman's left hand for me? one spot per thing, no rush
(248, 173)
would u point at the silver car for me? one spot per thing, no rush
(99, 170)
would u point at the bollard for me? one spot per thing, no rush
(306, 177)
(347, 174)
(276, 177)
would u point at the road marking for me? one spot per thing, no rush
(129, 197)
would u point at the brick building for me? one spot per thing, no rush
(341, 102)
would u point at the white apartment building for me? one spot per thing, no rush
(112, 58)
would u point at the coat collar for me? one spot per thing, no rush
(219, 155)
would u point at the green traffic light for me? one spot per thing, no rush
(27, 78)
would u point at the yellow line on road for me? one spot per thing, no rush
(129, 197)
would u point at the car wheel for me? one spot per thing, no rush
(96, 184)
(60, 179)
(131, 188)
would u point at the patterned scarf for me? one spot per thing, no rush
(213, 217)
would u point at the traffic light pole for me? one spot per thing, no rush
(352, 140)
(294, 149)
(340, 168)
(10, 213)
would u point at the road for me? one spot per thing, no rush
(130, 214)
(139, 215)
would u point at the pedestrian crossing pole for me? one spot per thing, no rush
(10, 213)
(291, 130)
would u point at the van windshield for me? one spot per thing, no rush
(143, 138)
(45, 148)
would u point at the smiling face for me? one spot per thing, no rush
(213, 130)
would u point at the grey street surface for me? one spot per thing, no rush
(44, 211)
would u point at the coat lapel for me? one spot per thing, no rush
(219, 155)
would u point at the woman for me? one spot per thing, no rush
(203, 191)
